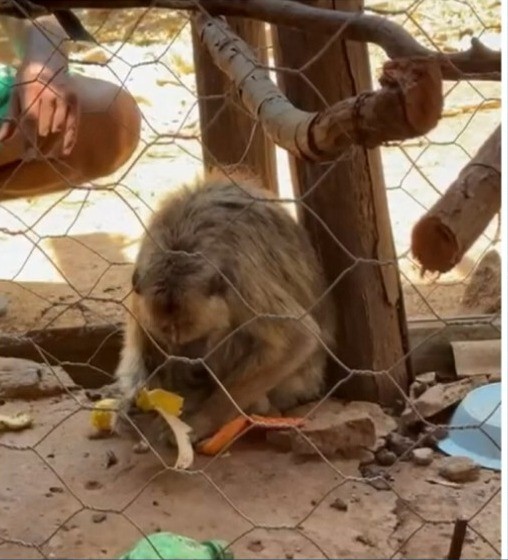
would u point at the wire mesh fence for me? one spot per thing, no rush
(70, 229)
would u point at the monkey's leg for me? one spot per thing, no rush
(285, 352)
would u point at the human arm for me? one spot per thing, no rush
(43, 96)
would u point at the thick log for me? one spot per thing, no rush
(230, 135)
(408, 105)
(346, 215)
(445, 233)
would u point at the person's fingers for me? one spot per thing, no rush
(46, 115)
(8, 126)
(59, 117)
(72, 123)
(29, 120)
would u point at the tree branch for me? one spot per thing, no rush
(409, 103)
(478, 62)
(444, 234)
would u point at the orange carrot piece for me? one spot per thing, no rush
(225, 435)
(228, 432)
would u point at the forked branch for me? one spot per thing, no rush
(408, 104)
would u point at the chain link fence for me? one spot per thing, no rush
(65, 275)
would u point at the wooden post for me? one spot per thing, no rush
(349, 196)
(229, 135)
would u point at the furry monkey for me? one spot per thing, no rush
(225, 274)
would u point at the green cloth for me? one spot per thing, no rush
(7, 78)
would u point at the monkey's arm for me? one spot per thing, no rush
(287, 345)
(131, 372)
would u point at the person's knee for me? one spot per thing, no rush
(110, 130)
(122, 125)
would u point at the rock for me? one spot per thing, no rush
(99, 517)
(333, 435)
(111, 459)
(417, 388)
(385, 458)
(423, 456)
(364, 539)
(400, 445)
(433, 434)
(429, 378)
(439, 398)
(459, 469)
(340, 427)
(379, 478)
(4, 305)
(256, 546)
(93, 485)
(367, 457)
(24, 379)
(339, 504)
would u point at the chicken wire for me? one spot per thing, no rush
(66, 263)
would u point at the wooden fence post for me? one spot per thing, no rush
(351, 200)
(230, 136)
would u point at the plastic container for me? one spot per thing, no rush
(167, 546)
(481, 407)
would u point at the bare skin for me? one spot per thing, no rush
(61, 130)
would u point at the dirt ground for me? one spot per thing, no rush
(65, 261)
(58, 492)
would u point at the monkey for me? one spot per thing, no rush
(227, 280)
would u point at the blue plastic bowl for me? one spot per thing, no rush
(480, 407)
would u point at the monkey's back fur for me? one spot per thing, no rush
(217, 258)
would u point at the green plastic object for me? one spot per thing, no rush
(167, 546)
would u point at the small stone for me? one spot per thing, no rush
(385, 457)
(256, 546)
(423, 456)
(339, 504)
(459, 469)
(140, 447)
(400, 445)
(289, 555)
(364, 540)
(93, 485)
(379, 477)
(111, 459)
(367, 457)
(155, 503)
(56, 489)
(99, 517)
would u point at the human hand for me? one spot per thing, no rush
(44, 108)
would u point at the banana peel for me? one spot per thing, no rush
(168, 405)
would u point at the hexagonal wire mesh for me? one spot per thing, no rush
(65, 278)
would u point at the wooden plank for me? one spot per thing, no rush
(229, 135)
(85, 351)
(349, 196)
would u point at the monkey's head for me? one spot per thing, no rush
(181, 294)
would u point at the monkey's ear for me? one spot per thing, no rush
(136, 281)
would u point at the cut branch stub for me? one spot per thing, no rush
(444, 234)
(409, 103)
